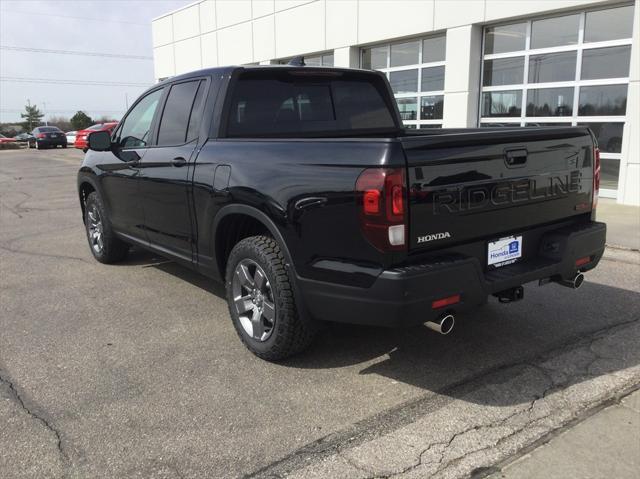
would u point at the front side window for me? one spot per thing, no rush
(136, 127)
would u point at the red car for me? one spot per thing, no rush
(4, 139)
(81, 136)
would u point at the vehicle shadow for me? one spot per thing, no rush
(552, 321)
(551, 318)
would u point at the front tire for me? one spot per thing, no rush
(261, 300)
(104, 245)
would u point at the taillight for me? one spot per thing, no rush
(596, 177)
(41, 135)
(381, 201)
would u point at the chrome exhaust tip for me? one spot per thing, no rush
(443, 325)
(573, 283)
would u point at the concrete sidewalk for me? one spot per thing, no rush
(606, 444)
(623, 223)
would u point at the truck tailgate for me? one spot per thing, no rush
(490, 183)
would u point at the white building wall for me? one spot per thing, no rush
(210, 33)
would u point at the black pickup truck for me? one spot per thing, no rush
(301, 190)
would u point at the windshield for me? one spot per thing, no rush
(308, 103)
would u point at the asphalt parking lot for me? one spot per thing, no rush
(135, 370)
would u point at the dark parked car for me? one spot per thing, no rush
(47, 137)
(299, 188)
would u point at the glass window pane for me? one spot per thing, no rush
(502, 103)
(404, 81)
(603, 100)
(552, 32)
(327, 60)
(433, 49)
(610, 62)
(175, 118)
(408, 108)
(134, 132)
(609, 136)
(552, 67)
(505, 38)
(611, 24)
(374, 58)
(432, 79)
(503, 71)
(196, 113)
(550, 102)
(609, 173)
(411, 127)
(499, 125)
(431, 107)
(430, 125)
(313, 61)
(568, 123)
(405, 54)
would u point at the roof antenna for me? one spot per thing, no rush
(297, 62)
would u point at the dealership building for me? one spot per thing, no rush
(451, 63)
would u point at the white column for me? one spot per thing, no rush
(346, 57)
(462, 76)
(629, 181)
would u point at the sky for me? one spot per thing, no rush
(113, 27)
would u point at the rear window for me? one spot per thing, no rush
(96, 127)
(298, 103)
(48, 129)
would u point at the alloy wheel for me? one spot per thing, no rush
(95, 229)
(253, 300)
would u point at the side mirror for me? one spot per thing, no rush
(100, 141)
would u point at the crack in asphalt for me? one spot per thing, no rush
(553, 386)
(17, 399)
(340, 442)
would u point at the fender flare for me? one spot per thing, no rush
(258, 215)
(85, 176)
(277, 235)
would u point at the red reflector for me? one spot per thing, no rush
(441, 303)
(371, 202)
(585, 260)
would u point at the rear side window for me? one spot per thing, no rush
(294, 103)
(175, 121)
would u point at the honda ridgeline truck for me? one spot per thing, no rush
(299, 188)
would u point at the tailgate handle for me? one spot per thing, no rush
(515, 158)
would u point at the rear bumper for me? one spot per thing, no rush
(51, 141)
(404, 296)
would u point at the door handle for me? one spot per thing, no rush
(178, 161)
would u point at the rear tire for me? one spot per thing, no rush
(103, 243)
(261, 301)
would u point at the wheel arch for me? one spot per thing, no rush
(86, 186)
(236, 222)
